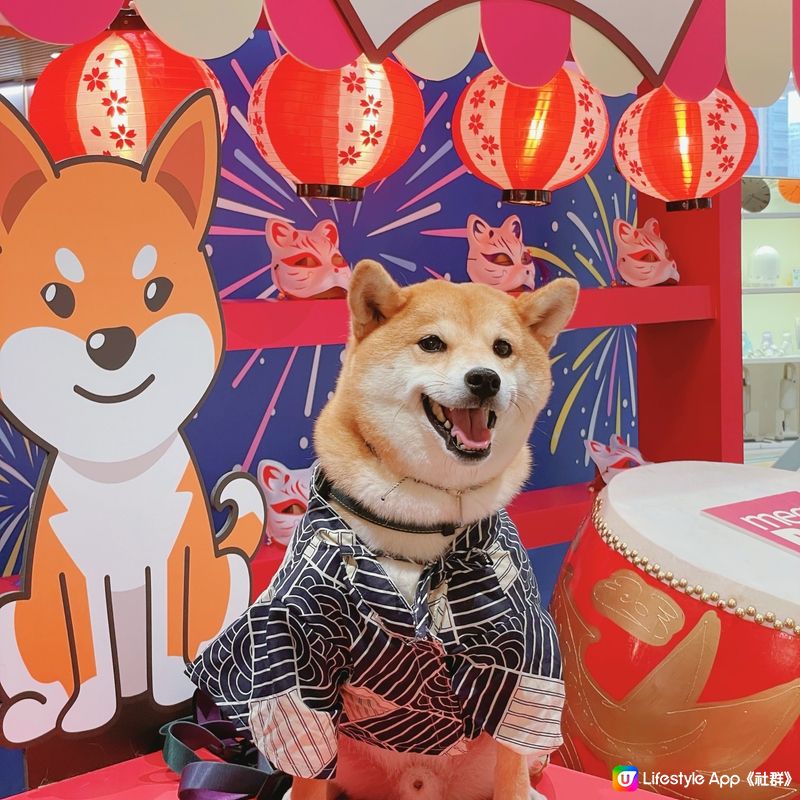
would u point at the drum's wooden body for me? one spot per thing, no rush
(681, 634)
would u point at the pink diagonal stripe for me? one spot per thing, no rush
(449, 178)
(242, 281)
(243, 184)
(237, 68)
(246, 368)
(606, 254)
(613, 372)
(451, 233)
(221, 230)
(435, 108)
(262, 427)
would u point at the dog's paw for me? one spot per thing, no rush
(94, 706)
(170, 682)
(28, 719)
(534, 795)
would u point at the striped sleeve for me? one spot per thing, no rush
(296, 705)
(510, 676)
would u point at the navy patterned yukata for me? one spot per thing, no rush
(332, 648)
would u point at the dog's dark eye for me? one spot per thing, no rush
(157, 292)
(59, 298)
(502, 348)
(432, 344)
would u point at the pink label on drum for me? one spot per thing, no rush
(775, 518)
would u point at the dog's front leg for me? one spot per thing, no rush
(511, 778)
(168, 632)
(96, 699)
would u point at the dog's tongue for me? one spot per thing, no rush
(469, 425)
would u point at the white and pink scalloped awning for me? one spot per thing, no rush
(687, 44)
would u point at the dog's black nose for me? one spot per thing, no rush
(483, 383)
(110, 348)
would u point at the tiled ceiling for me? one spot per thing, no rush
(23, 59)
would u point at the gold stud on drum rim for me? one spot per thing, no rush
(713, 598)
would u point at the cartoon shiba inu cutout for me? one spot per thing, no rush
(307, 264)
(497, 256)
(110, 337)
(286, 493)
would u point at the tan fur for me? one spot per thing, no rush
(375, 442)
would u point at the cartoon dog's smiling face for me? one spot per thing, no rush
(110, 328)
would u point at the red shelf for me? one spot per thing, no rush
(253, 324)
(550, 516)
(628, 305)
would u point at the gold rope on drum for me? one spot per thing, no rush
(748, 613)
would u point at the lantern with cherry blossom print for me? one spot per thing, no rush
(333, 132)
(683, 151)
(110, 95)
(530, 141)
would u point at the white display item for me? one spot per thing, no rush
(765, 266)
(658, 511)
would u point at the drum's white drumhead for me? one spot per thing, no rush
(657, 509)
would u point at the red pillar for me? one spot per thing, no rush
(690, 373)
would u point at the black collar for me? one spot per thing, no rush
(327, 491)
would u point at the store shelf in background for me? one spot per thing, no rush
(771, 215)
(543, 517)
(252, 324)
(770, 290)
(793, 359)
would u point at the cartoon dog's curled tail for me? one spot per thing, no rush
(244, 529)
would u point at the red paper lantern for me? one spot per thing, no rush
(530, 141)
(333, 132)
(110, 95)
(683, 151)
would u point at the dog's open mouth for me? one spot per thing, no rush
(114, 398)
(465, 431)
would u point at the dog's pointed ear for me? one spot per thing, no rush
(183, 159)
(548, 310)
(25, 164)
(373, 298)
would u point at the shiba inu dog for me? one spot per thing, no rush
(429, 424)
(110, 337)
(497, 256)
(307, 264)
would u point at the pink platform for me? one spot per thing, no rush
(147, 778)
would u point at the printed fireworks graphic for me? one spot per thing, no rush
(265, 401)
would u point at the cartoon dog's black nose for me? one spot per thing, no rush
(110, 348)
(483, 383)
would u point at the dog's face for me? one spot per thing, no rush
(110, 328)
(445, 380)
